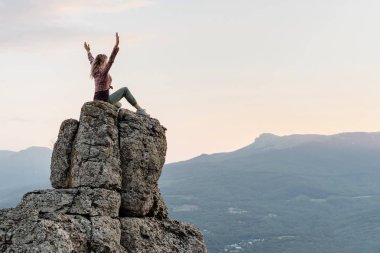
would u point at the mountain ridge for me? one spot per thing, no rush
(306, 190)
(268, 141)
(282, 200)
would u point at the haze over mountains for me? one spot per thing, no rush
(23, 171)
(297, 193)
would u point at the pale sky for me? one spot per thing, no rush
(216, 73)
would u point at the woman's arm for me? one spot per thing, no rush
(89, 55)
(113, 55)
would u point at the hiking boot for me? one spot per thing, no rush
(142, 112)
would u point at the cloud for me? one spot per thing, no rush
(42, 22)
(37, 9)
(99, 5)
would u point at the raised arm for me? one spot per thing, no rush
(113, 55)
(89, 55)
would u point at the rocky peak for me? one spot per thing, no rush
(104, 171)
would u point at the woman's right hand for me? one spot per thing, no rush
(87, 47)
(117, 40)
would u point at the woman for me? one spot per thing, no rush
(99, 71)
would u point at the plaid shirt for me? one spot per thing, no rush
(102, 78)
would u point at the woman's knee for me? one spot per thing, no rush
(125, 90)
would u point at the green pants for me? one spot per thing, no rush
(122, 93)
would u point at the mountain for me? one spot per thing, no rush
(296, 193)
(21, 172)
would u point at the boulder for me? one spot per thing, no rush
(83, 201)
(58, 233)
(61, 157)
(142, 154)
(105, 170)
(146, 235)
(105, 235)
(95, 154)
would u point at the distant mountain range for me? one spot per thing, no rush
(296, 193)
(21, 172)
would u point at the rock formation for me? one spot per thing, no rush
(104, 172)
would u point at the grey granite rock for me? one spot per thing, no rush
(147, 235)
(59, 232)
(61, 156)
(96, 202)
(70, 220)
(159, 209)
(105, 170)
(105, 235)
(142, 155)
(64, 233)
(84, 201)
(95, 155)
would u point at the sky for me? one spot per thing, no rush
(215, 73)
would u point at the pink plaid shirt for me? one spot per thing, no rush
(102, 78)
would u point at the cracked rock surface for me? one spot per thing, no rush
(95, 159)
(61, 153)
(104, 171)
(145, 235)
(142, 154)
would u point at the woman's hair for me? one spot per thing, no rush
(97, 63)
